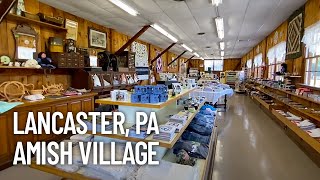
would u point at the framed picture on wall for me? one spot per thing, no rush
(72, 29)
(97, 39)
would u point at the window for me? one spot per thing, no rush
(276, 56)
(258, 66)
(249, 66)
(312, 40)
(208, 64)
(218, 65)
(215, 65)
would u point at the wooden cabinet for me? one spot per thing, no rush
(75, 107)
(4, 144)
(22, 121)
(63, 108)
(43, 136)
(8, 139)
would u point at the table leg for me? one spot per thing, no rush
(225, 101)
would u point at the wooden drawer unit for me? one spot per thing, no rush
(67, 60)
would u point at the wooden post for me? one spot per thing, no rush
(164, 51)
(132, 39)
(177, 58)
(189, 59)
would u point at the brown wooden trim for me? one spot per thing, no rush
(5, 7)
(189, 59)
(132, 39)
(159, 55)
(177, 58)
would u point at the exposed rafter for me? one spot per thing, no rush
(164, 51)
(132, 39)
(189, 59)
(177, 58)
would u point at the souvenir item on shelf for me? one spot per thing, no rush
(31, 63)
(35, 97)
(12, 91)
(166, 133)
(54, 89)
(115, 81)
(20, 7)
(44, 61)
(30, 16)
(184, 158)
(96, 81)
(11, 64)
(97, 39)
(72, 29)
(36, 91)
(130, 79)
(70, 46)
(135, 77)
(119, 95)
(55, 44)
(106, 83)
(4, 60)
(176, 88)
(51, 20)
(17, 64)
(123, 79)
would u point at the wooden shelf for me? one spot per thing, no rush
(302, 134)
(171, 99)
(166, 144)
(292, 94)
(22, 19)
(14, 67)
(262, 102)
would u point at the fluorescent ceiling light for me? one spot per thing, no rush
(216, 2)
(125, 7)
(222, 45)
(201, 58)
(186, 47)
(220, 27)
(222, 53)
(196, 54)
(164, 32)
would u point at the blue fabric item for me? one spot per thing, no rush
(194, 149)
(192, 136)
(5, 106)
(208, 106)
(203, 130)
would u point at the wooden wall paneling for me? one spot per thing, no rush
(3, 38)
(118, 40)
(231, 64)
(312, 13)
(36, 80)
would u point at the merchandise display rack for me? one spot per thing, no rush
(280, 105)
(162, 110)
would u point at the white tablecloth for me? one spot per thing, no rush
(212, 96)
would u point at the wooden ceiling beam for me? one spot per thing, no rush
(177, 58)
(5, 7)
(189, 59)
(132, 39)
(164, 51)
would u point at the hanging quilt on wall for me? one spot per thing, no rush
(141, 57)
(295, 33)
(159, 63)
(141, 60)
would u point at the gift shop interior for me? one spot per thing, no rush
(234, 85)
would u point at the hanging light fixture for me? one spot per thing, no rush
(222, 53)
(164, 32)
(186, 47)
(125, 7)
(196, 54)
(222, 45)
(220, 27)
(216, 2)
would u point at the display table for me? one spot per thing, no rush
(204, 81)
(214, 96)
(164, 151)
